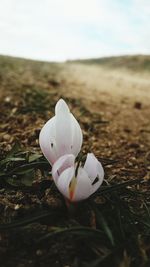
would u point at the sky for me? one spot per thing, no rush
(58, 30)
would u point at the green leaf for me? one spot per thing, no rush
(15, 148)
(34, 157)
(26, 221)
(35, 165)
(11, 159)
(102, 222)
(28, 177)
(79, 231)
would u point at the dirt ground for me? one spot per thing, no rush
(112, 228)
(121, 97)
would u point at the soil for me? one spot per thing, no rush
(112, 107)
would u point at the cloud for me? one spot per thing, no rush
(67, 29)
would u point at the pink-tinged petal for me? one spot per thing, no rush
(90, 166)
(77, 136)
(83, 186)
(61, 164)
(93, 167)
(94, 170)
(64, 181)
(60, 135)
(47, 140)
(63, 128)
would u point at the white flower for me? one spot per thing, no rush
(61, 134)
(74, 183)
(61, 141)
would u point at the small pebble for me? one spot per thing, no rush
(6, 137)
(138, 105)
(39, 252)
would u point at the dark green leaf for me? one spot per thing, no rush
(34, 157)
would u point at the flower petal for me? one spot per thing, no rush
(64, 180)
(47, 141)
(77, 136)
(60, 135)
(94, 170)
(61, 164)
(83, 186)
(63, 128)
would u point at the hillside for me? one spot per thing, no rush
(134, 63)
(111, 103)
